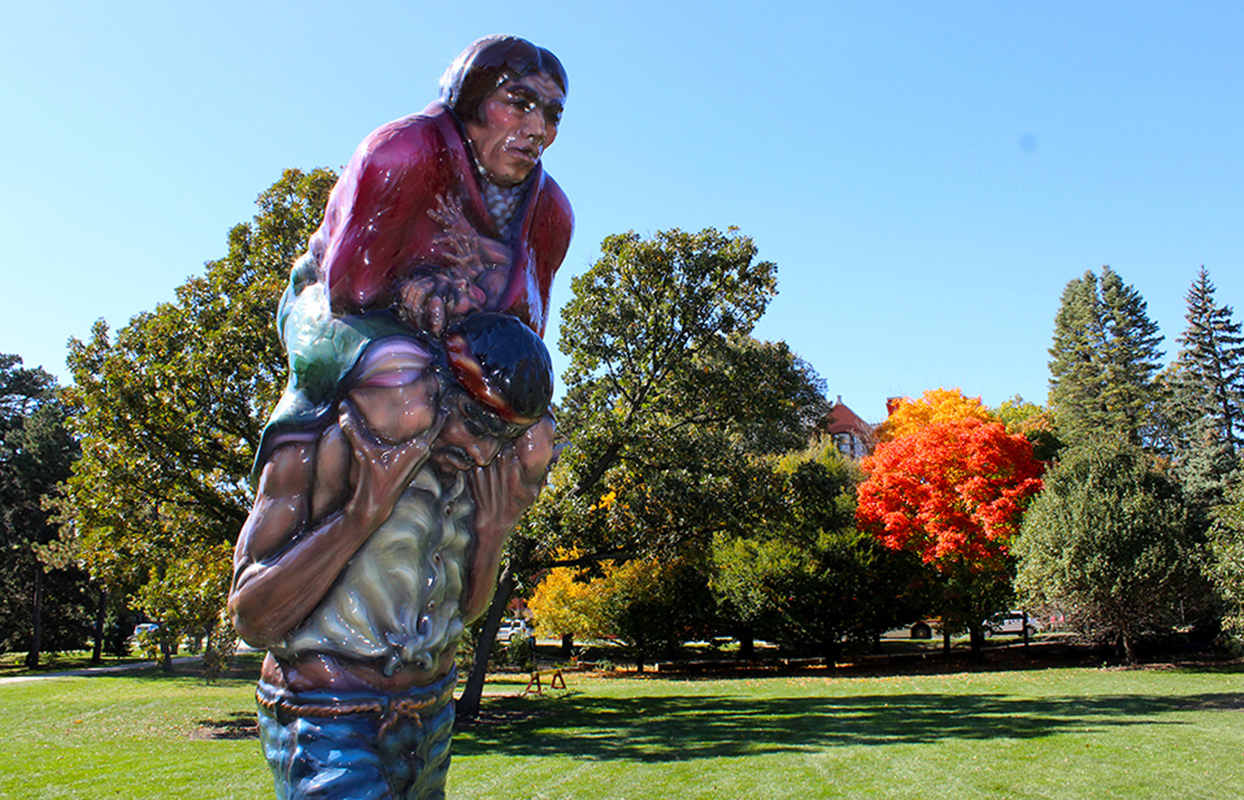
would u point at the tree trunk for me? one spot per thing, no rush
(36, 619)
(977, 638)
(945, 640)
(468, 703)
(1129, 645)
(747, 646)
(97, 651)
(567, 644)
(831, 651)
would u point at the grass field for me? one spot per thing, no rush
(1038, 733)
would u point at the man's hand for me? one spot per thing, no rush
(378, 471)
(467, 272)
(461, 242)
(430, 301)
(508, 486)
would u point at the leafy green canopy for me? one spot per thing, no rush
(169, 414)
(669, 406)
(1107, 542)
(807, 578)
(668, 397)
(1226, 568)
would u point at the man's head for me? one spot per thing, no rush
(509, 95)
(503, 378)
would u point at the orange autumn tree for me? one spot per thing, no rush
(935, 405)
(953, 492)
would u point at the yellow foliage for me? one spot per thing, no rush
(934, 406)
(605, 501)
(564, 603)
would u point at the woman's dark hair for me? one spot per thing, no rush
(490, 62)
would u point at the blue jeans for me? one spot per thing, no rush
(358, 745)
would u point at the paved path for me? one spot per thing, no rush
(89, 671)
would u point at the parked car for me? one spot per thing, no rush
(1010, 623)
(510, 627)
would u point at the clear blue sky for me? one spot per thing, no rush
(928, 176)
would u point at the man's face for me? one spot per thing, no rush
(517, 121)
(471, 437)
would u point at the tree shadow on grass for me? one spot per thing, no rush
(238, 725)
(657, 729)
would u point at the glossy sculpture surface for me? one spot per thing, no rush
(413, 433)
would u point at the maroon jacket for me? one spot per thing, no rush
(376, 228)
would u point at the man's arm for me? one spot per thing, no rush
(290, 552)
(502, 492)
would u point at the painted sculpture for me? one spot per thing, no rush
(413, 432)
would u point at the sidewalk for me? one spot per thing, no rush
(89, 671)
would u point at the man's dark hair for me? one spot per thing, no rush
(515, 364)
(490, 62)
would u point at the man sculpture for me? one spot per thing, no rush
(413, 432)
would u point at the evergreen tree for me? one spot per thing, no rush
(1104, 363)
(1209, 370)
(1204, 417)
(1076, 380)
(44, 599)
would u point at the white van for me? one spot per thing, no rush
(1010, 623)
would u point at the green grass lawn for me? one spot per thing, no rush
(1040, 733)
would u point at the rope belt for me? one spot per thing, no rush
(390, 709)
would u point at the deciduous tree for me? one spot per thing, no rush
(953, 493)
(667, 400)
(667, 395)
(935, 405)
(1034, 422)
(169, 412)
(563, 604)
(1226, 564)
(649, 605)
(1107, 542)
(806, 578)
